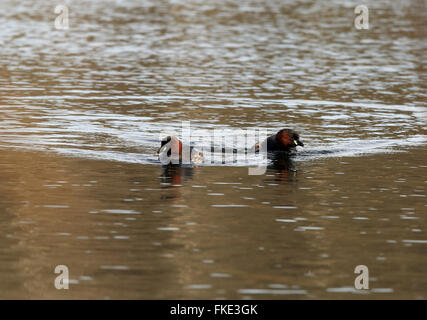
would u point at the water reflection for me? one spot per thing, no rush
(176, 175)
(282, 167)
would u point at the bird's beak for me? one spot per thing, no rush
(299, 143)
(163, 148)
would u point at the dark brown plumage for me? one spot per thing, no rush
(285, 140)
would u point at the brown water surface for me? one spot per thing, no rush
(81, 111)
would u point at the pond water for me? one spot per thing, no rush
(82, 111)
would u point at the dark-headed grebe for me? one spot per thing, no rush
(171, 148)
(285, 140)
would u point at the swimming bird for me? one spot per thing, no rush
(171, 152)
(171, 148)
(285, 140)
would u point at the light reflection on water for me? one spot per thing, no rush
(80, 115)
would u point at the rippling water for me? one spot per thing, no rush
(81, 112)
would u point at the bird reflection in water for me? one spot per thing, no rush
(282, 167)
(176, 174)
(172, 177)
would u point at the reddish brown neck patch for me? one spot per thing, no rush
(283, 138)
(176, 146)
